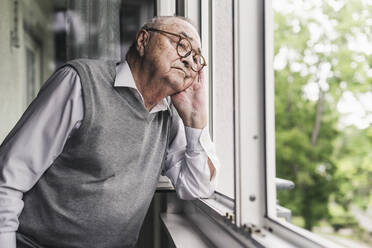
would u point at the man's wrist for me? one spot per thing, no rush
(194, 125)
(198, 122)
(193, 138)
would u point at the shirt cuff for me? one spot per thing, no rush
(210, 150)
(8, 239)
(192, 138)
(199, 140)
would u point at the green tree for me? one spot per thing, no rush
(318, 60)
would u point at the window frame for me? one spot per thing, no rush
(201, 13)
(165, 7)
(252, 221)
(259, 53)
(288, 231)
(210, 32)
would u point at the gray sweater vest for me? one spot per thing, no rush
(97, 191)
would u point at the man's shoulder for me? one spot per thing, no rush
(89, 62)
(87, 67)
(74, 64)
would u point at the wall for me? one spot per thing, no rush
(37, 22)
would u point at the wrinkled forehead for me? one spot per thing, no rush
(184, 29)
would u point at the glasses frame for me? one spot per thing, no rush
(178, 44)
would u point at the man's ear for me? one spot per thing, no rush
(143, 38)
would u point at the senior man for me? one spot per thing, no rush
(81, 166)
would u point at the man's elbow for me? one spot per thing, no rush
(207, 192)
(188, 194)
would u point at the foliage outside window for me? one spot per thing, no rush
(323, 115)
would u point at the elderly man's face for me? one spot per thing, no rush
(162, 54)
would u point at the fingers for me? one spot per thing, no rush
(197, 82)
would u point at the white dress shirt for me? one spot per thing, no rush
(40, 135)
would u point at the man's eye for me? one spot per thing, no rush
(183, 46)
(197, 59)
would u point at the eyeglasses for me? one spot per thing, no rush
(184, 49)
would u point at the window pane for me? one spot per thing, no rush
(323, 97)
(223, 124)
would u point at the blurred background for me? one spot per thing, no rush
(323, 104)
(39, 36)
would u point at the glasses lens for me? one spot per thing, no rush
(199, 62)
(184, 48)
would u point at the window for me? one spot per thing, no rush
(214, 20)
(322, 116)
(222, 89)
(241, 53)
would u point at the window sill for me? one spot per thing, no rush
(296, 235)
(182, 232)
(210, 223)
(201, 223)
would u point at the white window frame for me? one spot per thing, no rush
(249, 107)
(253, 221)
(255, 128)
(199, 11)
(206, 15)
(291, 233)
(165, 7)
(210, 32)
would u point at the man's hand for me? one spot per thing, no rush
(191, 106)
(191, 103)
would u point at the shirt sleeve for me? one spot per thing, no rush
(186, 162)
(35, 142)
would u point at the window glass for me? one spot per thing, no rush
(133, 14)
(223, 108)
(323, 117)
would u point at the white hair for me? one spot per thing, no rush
(158, 22)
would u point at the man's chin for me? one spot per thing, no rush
(179, 84)
(178, 87)
(176, 93)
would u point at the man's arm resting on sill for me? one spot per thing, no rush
(191, 163)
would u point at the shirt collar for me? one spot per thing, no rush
(124, 78)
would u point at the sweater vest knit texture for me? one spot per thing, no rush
(97, 191)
